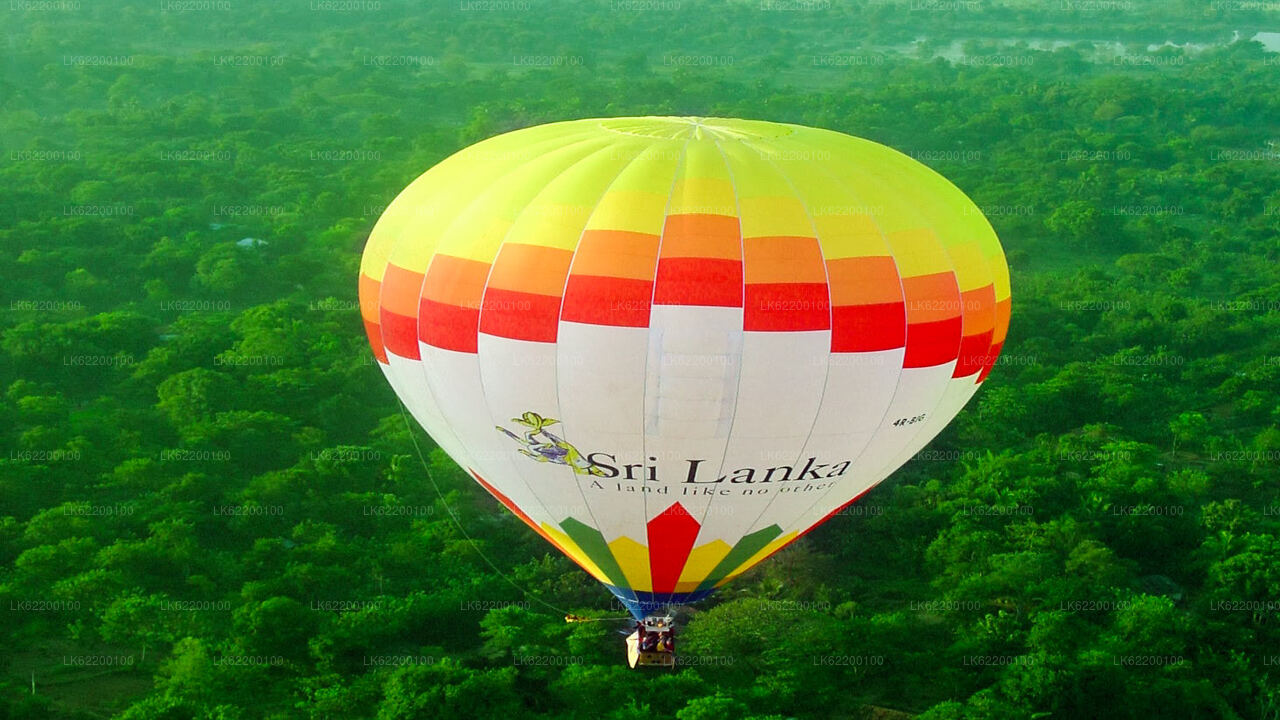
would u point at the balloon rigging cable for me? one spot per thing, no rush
(475, 546)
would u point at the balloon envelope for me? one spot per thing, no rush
(671, 345)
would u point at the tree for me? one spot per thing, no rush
(1188, 428)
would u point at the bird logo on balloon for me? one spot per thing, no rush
(549, 448)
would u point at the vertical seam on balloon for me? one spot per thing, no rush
(586, 504)
(422, 369)
(644, 399)
(392, 373)
(898, 386)
(737, 393)
(509, 461)
(994, 296)
(894, 462)
(480, 319)
(849, 190)
(424, 375)
(993, 269)
(972, 388)
(831, 329)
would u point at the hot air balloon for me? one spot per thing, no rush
(673, 345)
